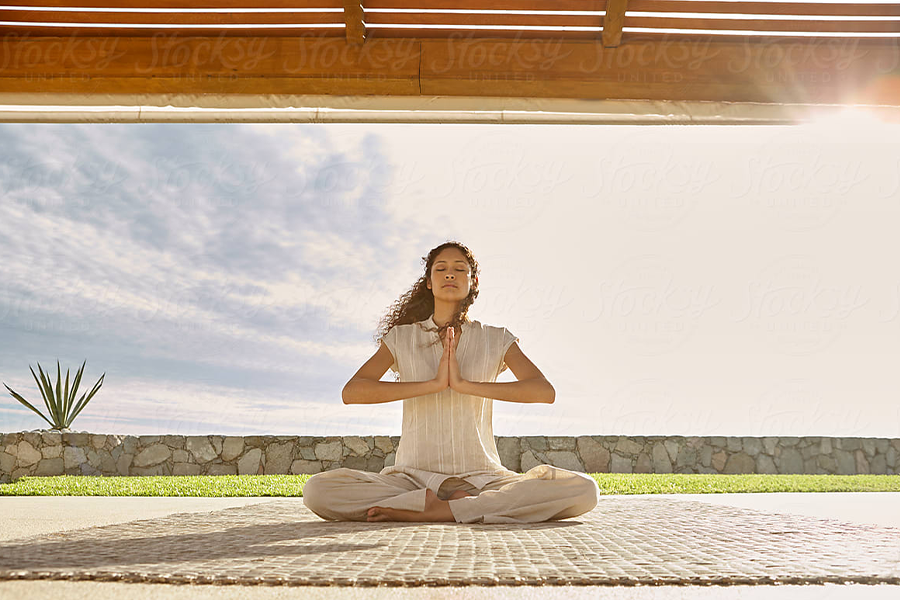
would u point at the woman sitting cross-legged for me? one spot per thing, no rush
(447, 467)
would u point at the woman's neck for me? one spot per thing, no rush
(443, 315)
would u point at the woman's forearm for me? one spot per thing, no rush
(526, 390)
(368, 391)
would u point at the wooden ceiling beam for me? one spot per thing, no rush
(613, 21)
(770, 70)
(353, 21)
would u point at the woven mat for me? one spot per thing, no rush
(623, 541)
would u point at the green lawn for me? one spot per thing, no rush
(292, 485)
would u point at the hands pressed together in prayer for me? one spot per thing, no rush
(448, 369)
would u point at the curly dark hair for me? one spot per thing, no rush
(418, 303)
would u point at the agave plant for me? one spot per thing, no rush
(60, 403)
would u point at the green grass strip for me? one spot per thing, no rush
(210, 486)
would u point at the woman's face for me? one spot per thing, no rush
(450, 275)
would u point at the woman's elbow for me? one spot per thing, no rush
(552, 394)
(346, 397)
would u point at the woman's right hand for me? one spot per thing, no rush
(442, 379)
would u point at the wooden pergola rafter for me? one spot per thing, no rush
(761, 53)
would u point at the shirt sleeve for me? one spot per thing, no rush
(390, 340)
(506, 340)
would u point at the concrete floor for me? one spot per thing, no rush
(30, 515)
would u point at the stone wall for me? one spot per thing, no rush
(43, 452)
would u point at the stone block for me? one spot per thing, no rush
(123, 464)
(355, 462)
(628, 447)
(249, 464)
(98, 441)
(661, 461)
(180, 456)
(862, 462)
(200, 448)
(51, 438)
(739, 463)
(160, 469)
(26, 454)
(107, 462)
(687, 457)
(73, 457)
(510, 453)
(300, 466)
(850, 444)
(383, 442)
(671, 447)
(50, 467)
(529, 461)
(329, 451)
(868, 445)
(279, 457)
(185, 469)
(7, 462)
(218, 469)
(790, 461)
(93, 458)
(564, 459)
(217, 441)
(619, 464)
(644, 464)
(719, 459)
(594, 456)
(356, 445)
(232, 448)
(537, 443)
(152, 455)
(752, 445)
(175, 442)
(561, 442)
(130, 444)
(376, 464)
(826, 463)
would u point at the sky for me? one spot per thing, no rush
(667, 280)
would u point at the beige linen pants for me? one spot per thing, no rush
(544, 493)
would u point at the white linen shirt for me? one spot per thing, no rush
(448, 434)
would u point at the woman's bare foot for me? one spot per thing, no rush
(436, 510)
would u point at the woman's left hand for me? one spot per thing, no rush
(456, 380)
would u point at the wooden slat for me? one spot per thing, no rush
(767, 8)
(468, 35)
(115, 32)
(498, 19)
(613, 21)
(227, 18)
(544, 5)
(353, 22)
(764, 25)
(178, 3)
(72, 23)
